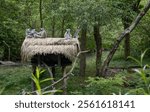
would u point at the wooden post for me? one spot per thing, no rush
(65, 81)
(59, 60)
(53, 71)
(32, 82)
(38, 59)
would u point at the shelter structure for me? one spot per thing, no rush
(50, 51)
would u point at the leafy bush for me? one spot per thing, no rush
(104, 86)
(144, 73)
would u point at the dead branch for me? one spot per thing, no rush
(51, 75)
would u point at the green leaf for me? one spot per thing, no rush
(138, 71)
(45, 80)
(34, 78)
(37, 72)
(42, 71)
(143, 76)
(36, 83)
(142, 56)
(134, 59)
(145, 66)
(1, 91)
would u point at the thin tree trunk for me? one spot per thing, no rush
(34, 73)
(41, 14)
(122, 36)
(53, 26)
(53, 71)
(83, 48)
(6, 51)
(127, 46)
(98, 41)
(62, 27)
(53, 18)
(126, 22)
(64, 81)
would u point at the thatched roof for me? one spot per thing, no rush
(43, 46)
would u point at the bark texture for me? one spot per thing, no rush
(83, 48)
(98, 42)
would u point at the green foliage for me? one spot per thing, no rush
(15, 79)
(9, 32)
(86, 11)
(36, 79)
(142, 34)
(143, 72)
(125, 8)
(103, 86)
(137, 91)
(139, 62)
(16, 16)
(38, 82)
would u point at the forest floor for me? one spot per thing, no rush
(16, 79)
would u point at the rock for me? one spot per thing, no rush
(7, 63)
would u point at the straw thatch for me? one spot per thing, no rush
(44, 46)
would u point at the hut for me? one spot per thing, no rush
(50, 51)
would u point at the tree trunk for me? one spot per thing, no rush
(62, 27)
(135, 6)
(6, 51)
(127, 46)
(122, 36)
(5, 54)
(32, 82)
(53, 26)
(98, 42)
(126, 23)
(53, 18)
(64, 81)
(41, 14)
(83, 48)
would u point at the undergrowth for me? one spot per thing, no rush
(14, 80)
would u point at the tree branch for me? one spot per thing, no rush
(122, 36)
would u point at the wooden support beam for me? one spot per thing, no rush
(59, 60)
(53, 71)
(32, 82)
(64, 81)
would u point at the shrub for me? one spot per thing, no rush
(144, 75)
(104, 86)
